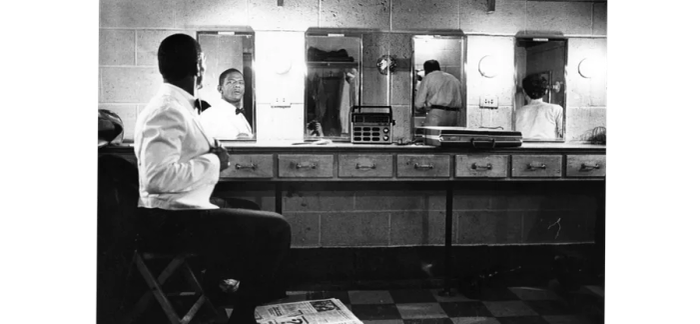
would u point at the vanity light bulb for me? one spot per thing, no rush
(488, 66)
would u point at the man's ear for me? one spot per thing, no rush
(218, 88)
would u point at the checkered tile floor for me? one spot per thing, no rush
(497, 305)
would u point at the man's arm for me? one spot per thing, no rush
(560, 122)
(160, 154)
(422, 95)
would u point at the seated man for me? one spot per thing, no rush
(538, 119)
(178, 167)
(226, 118)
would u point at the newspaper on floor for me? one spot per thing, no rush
(323, 311)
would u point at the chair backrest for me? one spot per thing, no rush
(117, 199)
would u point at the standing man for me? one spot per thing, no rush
(226, 118)
(178, 166)
(439, 93)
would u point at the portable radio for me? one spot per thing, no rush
(372, 125)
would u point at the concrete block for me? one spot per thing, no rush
(418, 228)
(373, 14)
(556, 226)
(568, 18)
(318, 201)
(148, 41)
(305, 228)
(142, 14)
(509, 18)
(600, 18)
(117, 47)
(425, 14)
(129, 84)
(489, 227)
(355, 229)
(218, 13)
(296, 15)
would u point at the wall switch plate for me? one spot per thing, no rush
(488, 102)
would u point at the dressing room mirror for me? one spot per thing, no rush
(333, 83)
(448, 50)
(540, 96)
(227, 110)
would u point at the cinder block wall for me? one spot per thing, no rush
(130, 31)
(484, 213)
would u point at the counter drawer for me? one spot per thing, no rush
(585, 166)
(365, 166)
(423, 166)
(537, 166)
(305, 166)
(249, 166)
(487, 166)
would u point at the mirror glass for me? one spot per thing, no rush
(540, 96)
(449, 52)
(227, 108)
(333, 84)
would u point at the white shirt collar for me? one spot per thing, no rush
(184, 95)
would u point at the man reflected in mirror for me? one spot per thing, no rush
(538, 119)
(440, 95)
(225, 119)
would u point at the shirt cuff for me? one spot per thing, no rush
(211, 157)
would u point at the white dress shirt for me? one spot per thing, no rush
(176, 170)
(539, 120)
(221, 121)
(439, 89)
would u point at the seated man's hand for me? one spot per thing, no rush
(223, 156)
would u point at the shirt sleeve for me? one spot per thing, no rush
(162, 149)
(422, 95)
(559, 117)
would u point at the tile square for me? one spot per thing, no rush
(404, 296)
(550, 307)
(456, 297)
(598, 290)
(492, 293)
(340, 295)
(475, 320)
(428, 321)
(466, 309)
(509, 308)
(531, 293)
(358, 297)
(421, 310)
(376, 312)
(292, 297)
(522, 320)
(295, 296)
(394, 321)
(572, 319)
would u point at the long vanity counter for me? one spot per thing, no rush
(287, 161)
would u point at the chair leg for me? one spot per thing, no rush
(155, 290)
(192, 279)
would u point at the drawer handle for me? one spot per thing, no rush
(423, 166)
(251, 166)
(589, 166)
(534, 166)
(306, 165)
(481, 167)
(365, 167)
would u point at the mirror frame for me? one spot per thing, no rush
(517, 88)
(248, 77)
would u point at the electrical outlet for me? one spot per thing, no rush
(488, 102)
(281, 103)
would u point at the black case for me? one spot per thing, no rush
(476, 138)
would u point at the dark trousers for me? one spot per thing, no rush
(441, 117)
(248, 244)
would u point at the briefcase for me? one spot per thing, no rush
(475, 138)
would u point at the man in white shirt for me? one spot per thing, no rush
(439, 93)
(178, 166)
(226, 117)
(538, 119)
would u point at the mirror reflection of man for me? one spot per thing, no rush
(440, 95)
(225, 119)
(538, 119)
